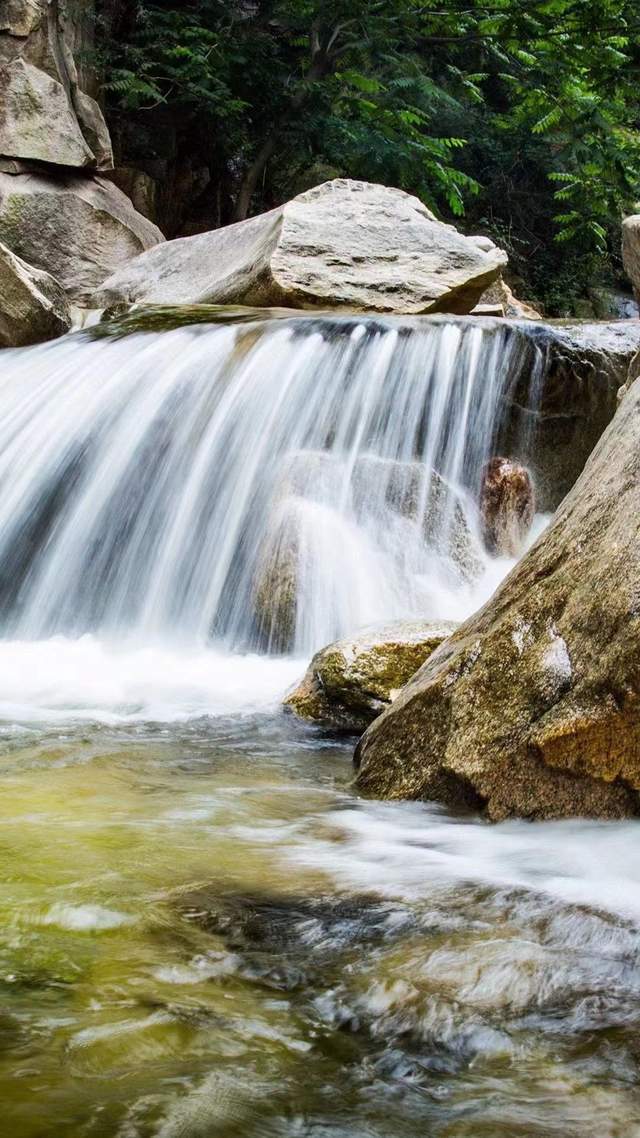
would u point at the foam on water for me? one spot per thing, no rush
(203, 930)
(88, 678)
(411, 850)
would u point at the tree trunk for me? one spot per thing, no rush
(252, 176)
(321, 65)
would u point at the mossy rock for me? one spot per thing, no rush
(354, 680)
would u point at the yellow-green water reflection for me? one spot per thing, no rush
(203, 934)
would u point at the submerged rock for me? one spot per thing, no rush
(351, 682)
(507, 506)
(321, 514)
(531, 708)
(426, 498)
(33, 306)
(77, 228)
(344, 245)
(276, 582)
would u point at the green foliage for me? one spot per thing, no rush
(519, 116)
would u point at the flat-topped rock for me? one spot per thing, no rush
(344, 245)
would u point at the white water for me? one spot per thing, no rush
(88, 678)
(170, 500)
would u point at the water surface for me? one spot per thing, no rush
(205, 933)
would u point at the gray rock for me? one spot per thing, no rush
(424, 497)
(277, 577)
(46, 112)
(94, 130)
(21, 17)
(532, 707)
(613, 304)
(33, 306)
(78, 229)
(140, 187)
(37, 120)
(351, 682)
(631, 251)
(344, 245)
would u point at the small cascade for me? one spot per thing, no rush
(268, 485)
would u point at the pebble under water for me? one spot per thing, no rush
(205, 933)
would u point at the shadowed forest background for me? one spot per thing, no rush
(516, 119)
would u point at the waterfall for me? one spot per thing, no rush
(267, 486)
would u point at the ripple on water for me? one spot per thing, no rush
(203, 933)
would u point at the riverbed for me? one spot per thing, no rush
(206, 933)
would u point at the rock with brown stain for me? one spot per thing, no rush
(507, 506)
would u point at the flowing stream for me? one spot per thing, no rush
(204, 933)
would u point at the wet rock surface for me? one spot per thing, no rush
(351, 682)
(573, 371)
(531, 708)
(507, 506)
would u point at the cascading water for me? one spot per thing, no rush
(267, 486)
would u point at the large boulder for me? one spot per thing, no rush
(532, 707)
(33, 306)
(344, 245)
(351, 682)
(78, 229)
(46, 114)
(37, 121)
